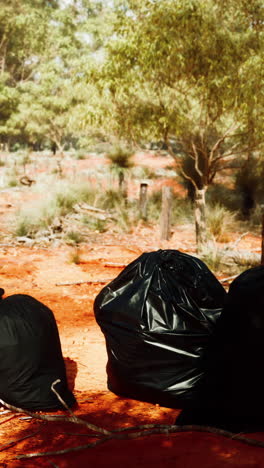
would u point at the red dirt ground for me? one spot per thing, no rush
(43, 273)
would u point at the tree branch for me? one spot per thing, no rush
(189, 178)
(74, 419)
(16, 441)
(156, 429)
(196, 160)
(220, 140)
(126, 433)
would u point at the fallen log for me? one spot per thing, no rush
(97, 212)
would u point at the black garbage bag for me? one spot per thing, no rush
(30, 355)
(230, 394)
(157, 316)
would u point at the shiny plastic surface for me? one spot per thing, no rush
(30, 355)
(231, 392)
(157, 316)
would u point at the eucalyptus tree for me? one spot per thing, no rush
(23, 34)
(56, 104)
(181, 71)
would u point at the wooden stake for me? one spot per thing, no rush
(165, 213)
(143, 200)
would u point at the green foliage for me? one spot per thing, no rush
(121, 157)
(141, 172)
(67, 195)
(23, 228)
(95, 224)
(74, 237)
(154, 206)
(246, 261)
(211, 256)
(182, 211)
(75, 256)
(36, 217)
(13, 182)
(224, 195)
(22, 44)
(45, 91)
(59, 203)
(256, 217)
(249, 185)
(124, 212)
(80, 154)
(111, 200)
(220, 222)
(179, 72)
(66, 201)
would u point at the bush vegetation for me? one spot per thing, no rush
(40, 219)
(220, 222)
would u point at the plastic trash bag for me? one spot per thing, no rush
(157, 316)
(30, 355)
(231, 392)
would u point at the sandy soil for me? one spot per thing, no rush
(45, 273)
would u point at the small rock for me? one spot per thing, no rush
(25, 240)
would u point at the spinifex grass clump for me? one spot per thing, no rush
(211, 256)
(67, 195)
(74, 237)
(120, 162)
(42, 214)
(36, 217)
(220, 222)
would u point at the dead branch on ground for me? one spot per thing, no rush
(127, 433)
(228, 279)
(16, 441)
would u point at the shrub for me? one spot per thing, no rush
(139, 172)
(249, 184)
(211, 256)
(219, 222)
(13, 182)
(111, 199)
(246, 260)
(182, 211)
(224, 196)
(23, 228)
(74, 237)
(95, 224)
(154, 206)
(120, 157)
(66, 196)
(75, 256)
(256, 216)
(79, 154)
(35, 217)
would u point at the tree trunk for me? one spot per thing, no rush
(122, 184)
(200, 218)
(121, 180)
(262, 237)
(60, 157)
